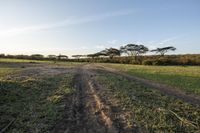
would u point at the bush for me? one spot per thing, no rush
(147, 62)
(162, 62)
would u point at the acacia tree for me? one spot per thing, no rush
(91, 56)
(134, 50)
(111, 52)
(163, 50)
(77, 56)
(52, 57)
(37, 56)
(61, 57)
(2, 55)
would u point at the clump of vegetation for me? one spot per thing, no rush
(150, 109)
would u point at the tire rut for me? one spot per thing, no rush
(84, 112)
(112, 113)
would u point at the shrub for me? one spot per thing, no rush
(147, 62)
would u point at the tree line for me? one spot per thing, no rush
(128, 54)
(134, 54)
(131, 50)
(36, 57)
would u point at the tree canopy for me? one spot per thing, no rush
(164, 50)
(111, 52)
(134, 49)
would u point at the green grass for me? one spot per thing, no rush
(149, 108)
(36, 104)
(63, 63)
(7, 70)
(22, 60)
(186, 78)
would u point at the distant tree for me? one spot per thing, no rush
(134, 50)
(22, 56)
(91, 55)
(163, 50)
(101, 53)
(2, 55)
(78, 56)
(111, 52)
(61, 57)
(37, 56)
(10, 56)
(98, 54)
(52, 56)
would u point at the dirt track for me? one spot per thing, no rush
(89, 112)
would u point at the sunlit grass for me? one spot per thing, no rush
(21, 60)
(64, 63)
(184, 77)
(149, 108)
(7, 71)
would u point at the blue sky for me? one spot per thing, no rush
(87, 26)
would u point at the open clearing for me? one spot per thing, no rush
(86, 98)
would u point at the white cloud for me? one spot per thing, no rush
(64, 23)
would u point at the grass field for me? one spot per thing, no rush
(149, 108)
(186, 78)
(6, 70)
(32, 103)
(21, 60)
(80, 97)
(7, 60)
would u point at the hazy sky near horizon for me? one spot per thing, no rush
(87, 26)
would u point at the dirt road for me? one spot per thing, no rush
(89, 111)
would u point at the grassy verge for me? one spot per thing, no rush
(22, 60)
(7, 60)
(34, 104)
(149, 108)
(186, 78)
